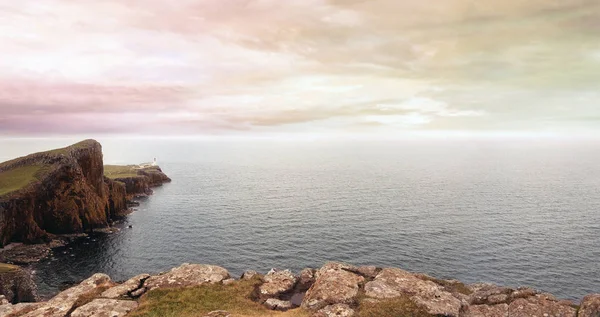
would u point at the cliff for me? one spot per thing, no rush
(336, 289)
(61, 191)
(138, 181)
(16, 284)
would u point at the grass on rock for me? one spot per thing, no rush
(17, 178)
(7, 268)
(120, 171)
(198, 301)
(395, 307)
(450, 286)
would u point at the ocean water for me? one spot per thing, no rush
(511, 212)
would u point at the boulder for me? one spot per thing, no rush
(277, 304)
(306, 279)
(334, 285)
(337, 310)
(490, 295)
(18, 309)
(590, 306)
(248, 275)
(16, 284)
(187, 275)
(125, 289)
(63, 303)
(478, 286)
(228, 281)
(337, 266)
(137, 293)
(540, 305)
(522, 292)
(487, 311)
(368, 271)
(391, 283)
(103, 307)
(3, 300)
(277, 283)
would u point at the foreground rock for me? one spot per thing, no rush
(306, 279)
(338, 290)
(18, 309)
(334, 285)
(16, 284)
(337, 310)
(277, 283)
(590, 306)
(392, 283)
(187, 275)
(105, 308)
(540, 305)
(278, 304)
(64, 302)
(250, 274)
(131, 288)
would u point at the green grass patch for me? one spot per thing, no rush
(120, 171)
(395, 307)
(66, 150)
(6, 268)
(198, 301)
(17, 178)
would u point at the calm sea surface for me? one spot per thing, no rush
(509, 212)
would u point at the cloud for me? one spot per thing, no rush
(267, 66)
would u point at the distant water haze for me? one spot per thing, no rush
(511, 212)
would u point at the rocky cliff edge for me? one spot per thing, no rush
(64, 191)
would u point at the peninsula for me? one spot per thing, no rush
(67, 191)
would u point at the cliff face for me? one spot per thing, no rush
(68, 193)
(16, 284)
(140, 180)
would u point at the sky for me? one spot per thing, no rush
(163, 67)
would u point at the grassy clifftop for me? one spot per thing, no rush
(17, 178)
(57, 191)
(121, 171)
(67, 190)
(16, 174)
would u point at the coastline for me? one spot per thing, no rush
(335, 289)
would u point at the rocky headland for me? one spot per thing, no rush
(336, 289)
(66, 191)
(49, 198)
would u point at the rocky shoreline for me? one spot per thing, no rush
(336, 289)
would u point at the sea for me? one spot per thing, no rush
(515, 212)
